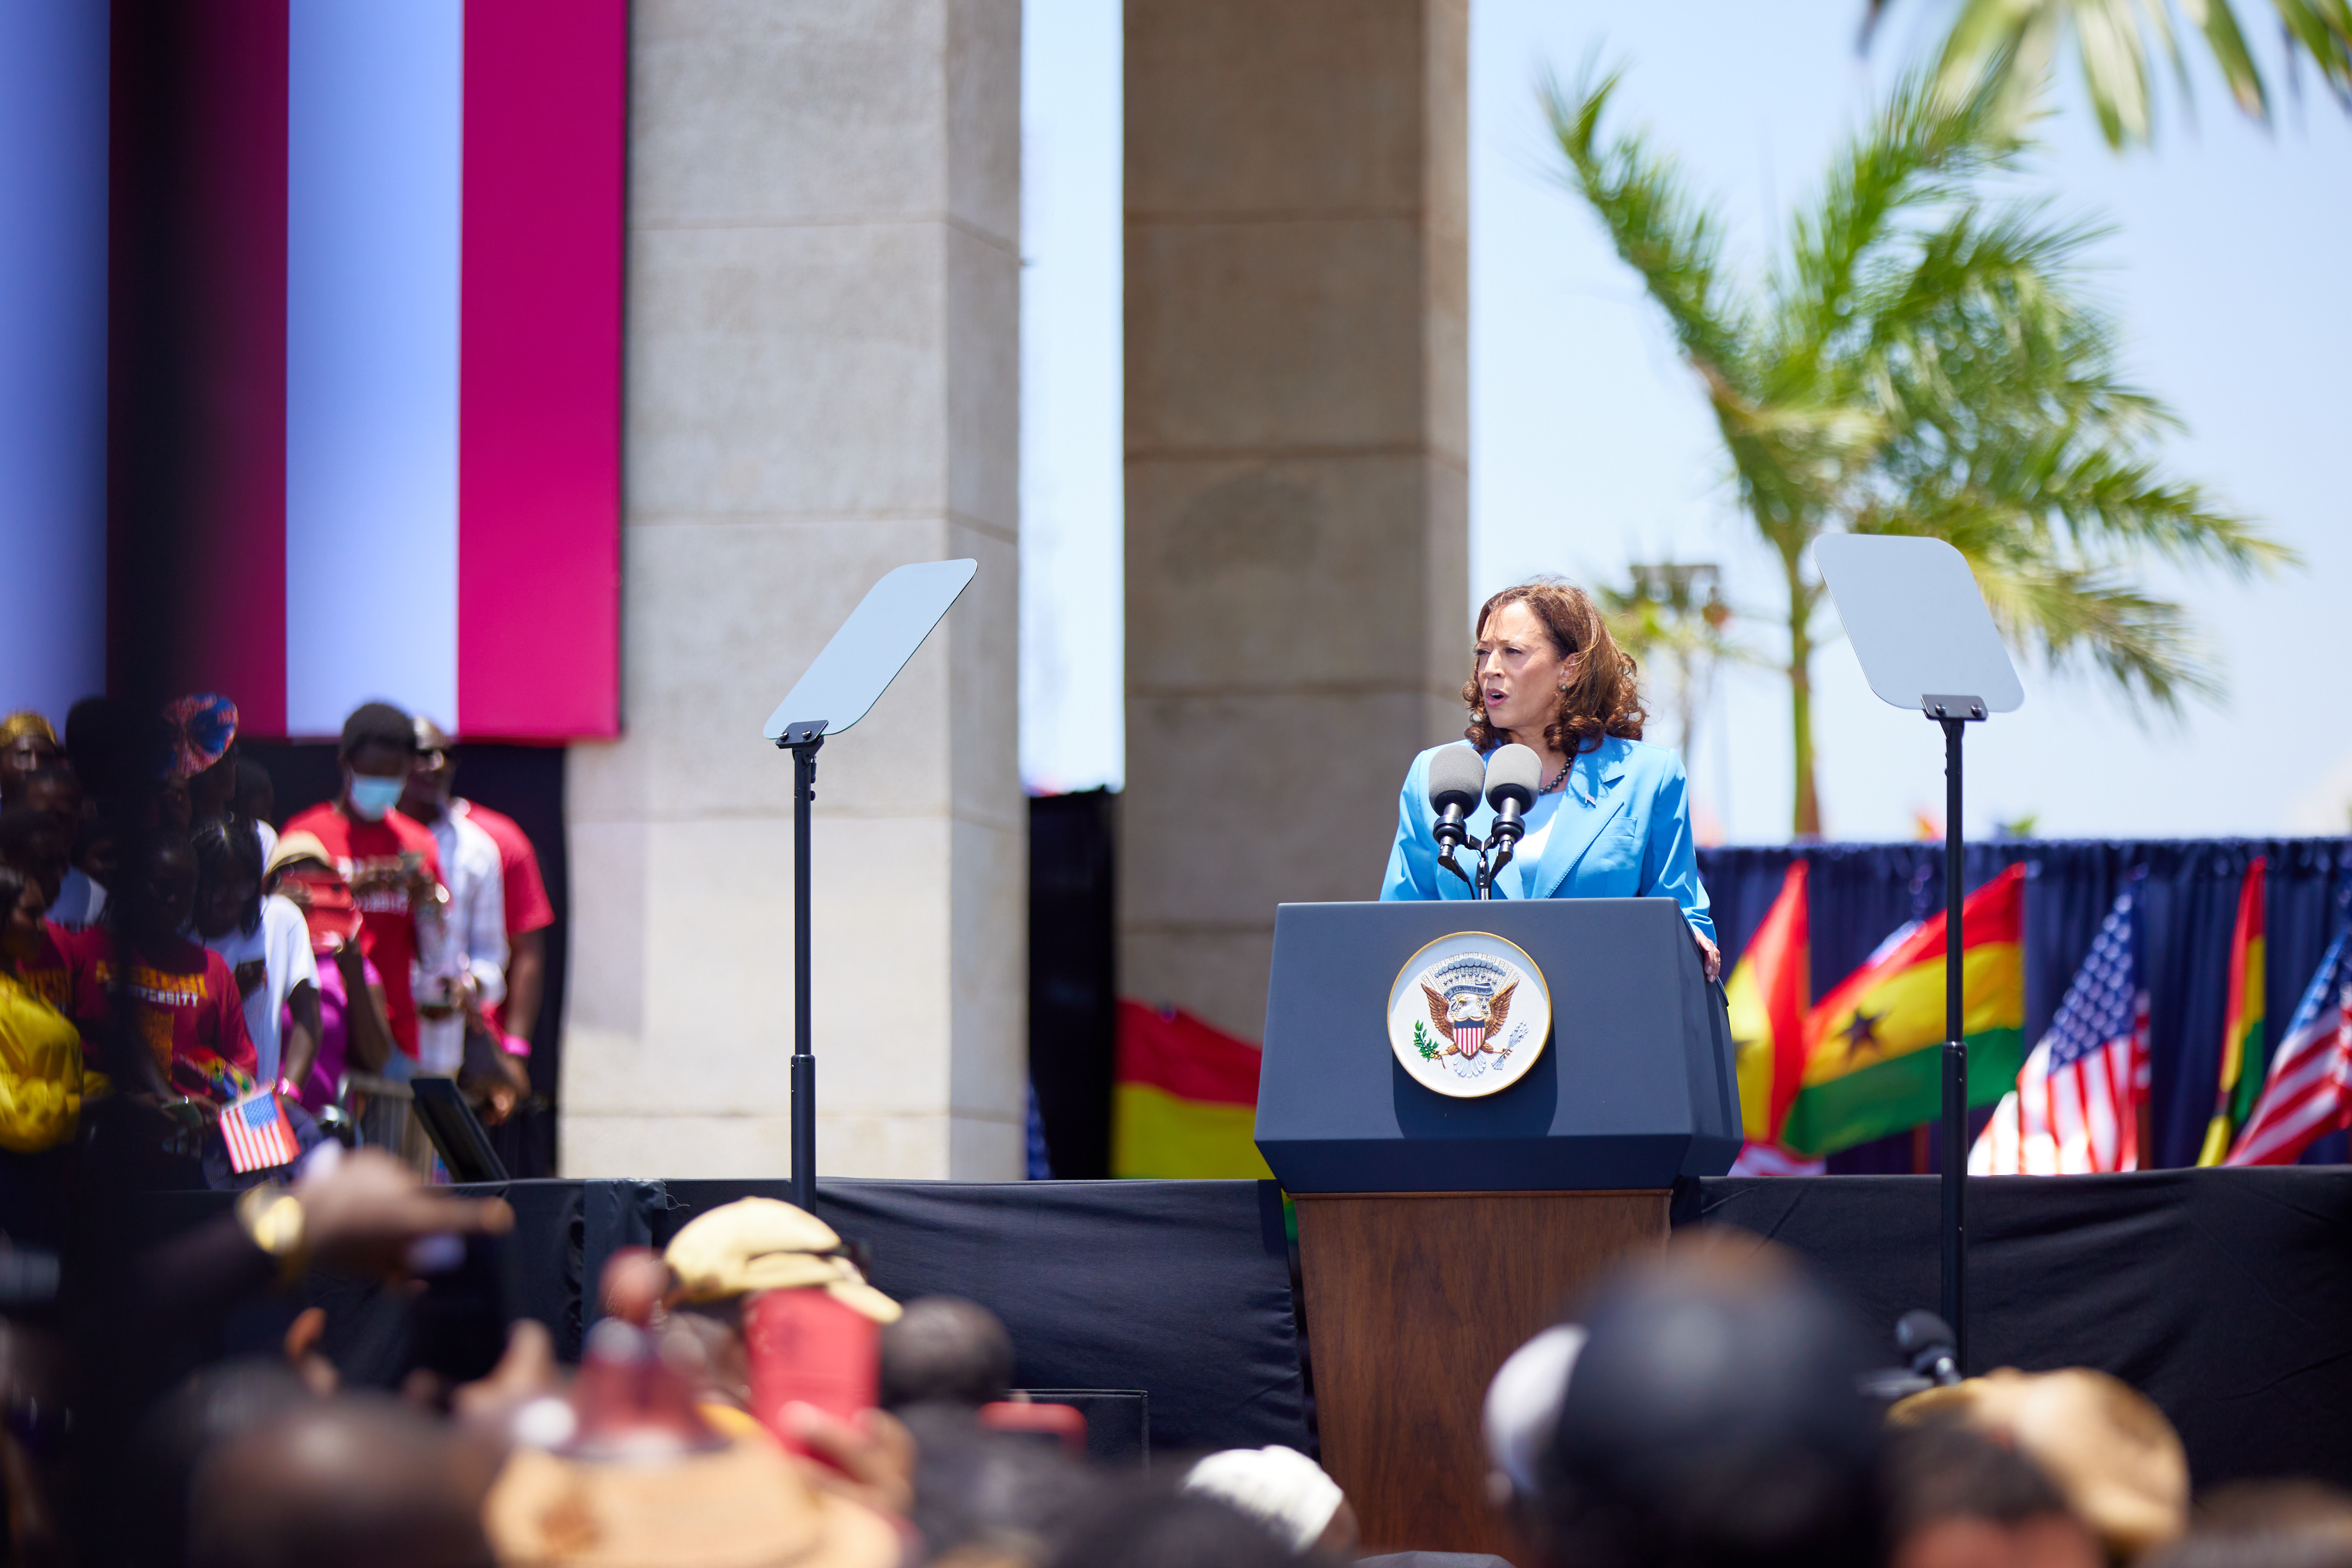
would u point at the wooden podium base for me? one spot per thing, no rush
(1413, 1301)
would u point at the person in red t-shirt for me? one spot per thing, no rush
(389, 859)
(189, 1015)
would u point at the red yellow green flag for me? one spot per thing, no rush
(1768, 993)
(2245, 1056)
(1872, 1061)
(1184, 1101)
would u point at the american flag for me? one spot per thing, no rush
(2075, 1109)
(2306, 1094)
(257, 1133)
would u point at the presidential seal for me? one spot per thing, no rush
(1469, 1015)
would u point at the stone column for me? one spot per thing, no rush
(822, 384)
(1297, 471)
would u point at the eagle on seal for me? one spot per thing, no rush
(1468, 1017)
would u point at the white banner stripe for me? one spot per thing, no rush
(53, 242)
(374, 134)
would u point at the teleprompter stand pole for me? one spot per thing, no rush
(803, 741)
(1954, 713)
(848, 676)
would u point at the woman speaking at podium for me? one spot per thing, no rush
(1611, 813)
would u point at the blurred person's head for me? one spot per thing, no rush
(431, 774)
(228, 877)
(301, 869)
(157, 896)
(211, 1408)
(378, 745)
(174, 808)
(1958, 1499)
(115, 749)
(1522, 1410)
(1715, 1418)
(991, 1495)
(944, 1349)
(21, 904)
(1146, 1527)
(200, 741)
(2265, 1524)
(26, 742)
(34, 842)
(97, 847)
(354, 1481)
(1284, 1491)
(255, 796)
(54, 788)
(2111, 1452)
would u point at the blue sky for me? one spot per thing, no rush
(1590, 446)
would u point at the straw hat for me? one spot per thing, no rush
(760, 1243)
(2108, 1448)
(300, 844)
(745, 1506)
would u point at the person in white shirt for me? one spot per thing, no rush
(267, 943)
(472, 971)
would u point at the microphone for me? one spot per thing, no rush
(1929, 1345)
(1456, 775)
(1512, 775)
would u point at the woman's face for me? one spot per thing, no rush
(222, 901)
(1519, 672)
(170, 872)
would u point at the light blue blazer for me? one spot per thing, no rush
(1622, 832)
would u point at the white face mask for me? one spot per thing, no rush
(372, 797)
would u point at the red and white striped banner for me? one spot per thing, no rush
(402, 239)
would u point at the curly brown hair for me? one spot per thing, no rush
(1600, 698)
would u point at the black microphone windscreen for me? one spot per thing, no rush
(1456, 775)
(1514, 772)
(1920, 1329)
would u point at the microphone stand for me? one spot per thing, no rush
(1505, 841)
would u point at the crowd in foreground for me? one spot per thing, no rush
(324, 1376)
(171, 956)
(746, 1397)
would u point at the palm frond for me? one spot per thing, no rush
(1657, 225)
(2076, 617)
(2010, 46)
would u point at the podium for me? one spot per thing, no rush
(1442, 1221)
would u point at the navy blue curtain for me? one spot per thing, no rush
(1859, 893)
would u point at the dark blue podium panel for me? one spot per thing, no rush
(1635, 1089)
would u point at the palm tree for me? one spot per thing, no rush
(2012, 45)
(1922, 358)
(1675, 615)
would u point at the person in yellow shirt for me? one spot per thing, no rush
(40, 1077)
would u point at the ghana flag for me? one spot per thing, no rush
(1184, 1104)
(2245, 1057)
(1873, 1057)
(1767, 994)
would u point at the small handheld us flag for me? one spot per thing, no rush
(2075, 1109)
(257, 1133)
